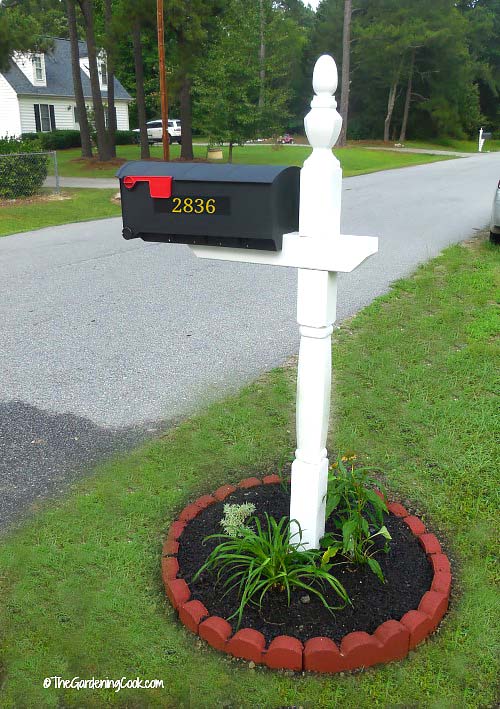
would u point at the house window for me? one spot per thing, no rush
(103, 72)
(38, 67)
(45, 120)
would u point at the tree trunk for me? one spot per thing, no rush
(404, 124)
(110, 63)
(230, 156)
(100, 126)
(390, 107)
(77, 80)
(187, 135)
(262, 55)
(139, 89)
(346, 70)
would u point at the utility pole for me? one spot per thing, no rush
(163, 80)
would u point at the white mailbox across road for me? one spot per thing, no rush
(318, 250)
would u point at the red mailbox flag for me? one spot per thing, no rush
(159, 187)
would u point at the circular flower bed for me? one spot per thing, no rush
(383, 624)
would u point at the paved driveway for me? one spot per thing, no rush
(105, 341)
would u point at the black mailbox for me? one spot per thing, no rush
(243, 206)
(486, 136)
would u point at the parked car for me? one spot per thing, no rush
(495, 217)
(155, 134)
(286, 139)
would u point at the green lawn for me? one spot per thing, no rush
(80, 588)
(72, 205)
(450, 144)
(354, 161)
(461, 146)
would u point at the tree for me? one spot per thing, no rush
(401, 37)
(77, 80)
(103, 149)
(18, 32)
(406, 112)
(139, 87)
(190, 40)
(238, 97)
(483, 38)
(228, 86)
(262, 53)
(134, 35)
(417, 68)
(110, 70)
(346, 73)
(285, 41)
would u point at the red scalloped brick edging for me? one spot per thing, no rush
(391, 641)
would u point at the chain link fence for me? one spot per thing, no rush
(25, 174)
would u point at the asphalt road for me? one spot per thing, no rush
(104, 342)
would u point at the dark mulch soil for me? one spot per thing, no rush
(407, 572)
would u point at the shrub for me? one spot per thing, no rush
(22, 173)
(60, 139)
(125, 137)
(30, 136)
(263, 560)
(10, 144)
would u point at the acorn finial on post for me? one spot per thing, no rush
(323, 122)
(321, 177)
(325, 76)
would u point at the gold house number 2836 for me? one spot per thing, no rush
(193, 205)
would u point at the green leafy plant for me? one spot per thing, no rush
(357, 513)
(355, 544)
(267, 559)
(126, 137)
(235, 516)
(22, 169)
(351, 488)
(59, 139)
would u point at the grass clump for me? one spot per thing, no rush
(260, 560)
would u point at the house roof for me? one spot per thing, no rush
(58, 74)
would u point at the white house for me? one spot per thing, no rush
(36, 92)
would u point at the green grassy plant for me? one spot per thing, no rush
(260, 560)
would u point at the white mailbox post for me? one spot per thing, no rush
(318, 250)
(483, 136)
